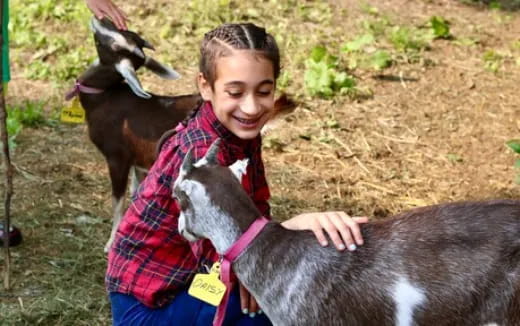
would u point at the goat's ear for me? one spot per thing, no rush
(239, 168)
(211, 154)
(126, 69)
(160, 70)
(187, 164)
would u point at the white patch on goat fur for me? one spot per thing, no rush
(212, 221)
(119, 39)
(203, 161)
(191, 188)
(117, 206)
(491, 324)
(406, 298)
(126, 69)
(239, 168)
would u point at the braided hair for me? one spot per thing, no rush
(228, 37)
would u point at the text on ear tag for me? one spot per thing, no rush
(208, 287)
(73, 113)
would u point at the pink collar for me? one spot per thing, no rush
(229, 257)
(80, 88)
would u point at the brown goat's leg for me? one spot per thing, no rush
(118, 170)
(137, 176)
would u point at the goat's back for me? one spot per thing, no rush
(125, 125)
(454, 264)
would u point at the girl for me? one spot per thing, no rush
(150, 265)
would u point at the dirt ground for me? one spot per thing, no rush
(433, 131)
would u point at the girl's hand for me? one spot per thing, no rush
(102, 8)
(248, 304)
(341, 228)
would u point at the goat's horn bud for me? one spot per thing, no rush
(211, 154)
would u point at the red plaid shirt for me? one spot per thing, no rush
(149, 259)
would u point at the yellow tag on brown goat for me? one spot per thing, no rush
(208, 287)
(73, 113)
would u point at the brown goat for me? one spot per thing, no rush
(124, 121)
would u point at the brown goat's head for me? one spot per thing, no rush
(124, 51)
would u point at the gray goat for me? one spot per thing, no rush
(451, 264)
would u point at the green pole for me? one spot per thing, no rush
(5, 145)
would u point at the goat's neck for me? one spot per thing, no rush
(100, 76)
(227, 230)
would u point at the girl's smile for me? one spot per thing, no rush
(243, 93)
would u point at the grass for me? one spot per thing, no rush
(377, 131)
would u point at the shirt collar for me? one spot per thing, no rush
(208, 115)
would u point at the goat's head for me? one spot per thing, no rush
(211, 198)
(124, 51)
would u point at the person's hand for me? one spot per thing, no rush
(106, 8)
(248, 304)
(341, 228)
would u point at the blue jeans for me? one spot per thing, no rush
(184, 310)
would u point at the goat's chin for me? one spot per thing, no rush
(188, 236)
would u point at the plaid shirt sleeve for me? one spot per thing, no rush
(150, 259)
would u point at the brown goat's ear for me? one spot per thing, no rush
(148, 45)
(126, 69)
(161, 70)
(211, 155)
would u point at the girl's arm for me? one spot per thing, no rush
(102, 8)
(343, 230)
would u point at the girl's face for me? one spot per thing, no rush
(243, 93)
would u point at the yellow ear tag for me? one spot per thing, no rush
(208, 287)
(73, 113)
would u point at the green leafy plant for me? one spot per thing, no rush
(492, 60)
(377, 27)
(13, 129)
(29, 114)
(514, 144)
(407, 39)
(440, 27)
(322, 77)
(358, 43)
(380, 59)
(361, 52)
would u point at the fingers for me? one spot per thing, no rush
(320, 235)
(346, 228)
(248, 303)
(343, 230)
(106, 8)
(253, 306)
(244, 299)
(118, 16)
